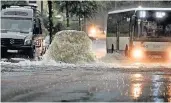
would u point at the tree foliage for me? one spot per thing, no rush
(82, 9)
(64, 6)
(57, 25)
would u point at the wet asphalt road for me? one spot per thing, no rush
(84, 84)
(28, 82)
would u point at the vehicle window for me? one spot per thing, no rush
(124, 29)
(153, 26)
(16, 24)
(111, 26)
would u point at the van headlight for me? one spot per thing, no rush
(27, 42)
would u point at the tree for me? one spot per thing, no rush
(64, 6)
(57, 25)
(84, 9)
(50, 19)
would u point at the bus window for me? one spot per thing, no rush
(168, 30)
(124, 28)
(111, 26)
(152, 26)
(151, 29)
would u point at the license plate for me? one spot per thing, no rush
(12, 51)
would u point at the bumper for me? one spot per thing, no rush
(15, 47)
(155, 54)
(150, 56)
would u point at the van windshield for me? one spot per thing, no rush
(16, 24)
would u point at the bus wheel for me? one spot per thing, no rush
(112, 49)
(126, 51)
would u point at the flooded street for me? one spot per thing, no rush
(107, 81)
(85, 51)
(87, 84)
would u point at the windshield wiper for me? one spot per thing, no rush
(4, 30)
(24, 31)
(21, 31)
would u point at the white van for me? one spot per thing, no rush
(21, 31)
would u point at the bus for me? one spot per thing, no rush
(142, 33)
(21, 31)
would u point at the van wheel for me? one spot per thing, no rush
(126, 51)
(31, 54)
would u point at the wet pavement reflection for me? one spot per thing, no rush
(87, 85)
(156, 88)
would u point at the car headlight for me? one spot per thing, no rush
(92, 32)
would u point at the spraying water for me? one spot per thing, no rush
(71, 46)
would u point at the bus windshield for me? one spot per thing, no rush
(154, 24)
(16, 24)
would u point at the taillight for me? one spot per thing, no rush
(38, 43)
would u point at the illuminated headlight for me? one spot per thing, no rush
(137, 53)
(92, 32)
(27, 42)
(169, 54)
(160, 14)
(142, 14)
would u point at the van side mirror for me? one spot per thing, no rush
(36, 31)
(37, 27)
